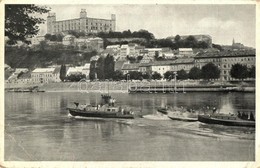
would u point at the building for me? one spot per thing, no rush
(90, 43)
(46, 75)
(146, 59)
(182, 63)
(160, 66)
(94, 58)
(84, 43)
(224, 60)
(164, 66)
(113, 47)
(185, 52)
(79, 70)
(124, 50)
(237, 45)
(68, 40)
(129, 67)
(81, 24)
(153, 51)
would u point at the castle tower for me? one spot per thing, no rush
(113, 22)
(113, 17)
(83, 13)
(83, 18)
(51, 19)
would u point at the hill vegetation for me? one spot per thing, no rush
(25, 57)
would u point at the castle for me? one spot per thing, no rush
(82, 24)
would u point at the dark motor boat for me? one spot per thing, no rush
(106, 110)
(243, 119)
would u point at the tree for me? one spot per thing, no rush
(118, 75)
(47, 36)
(92, 70)
(59, 37)
(109, 66)
(210, 71)
(53, 38)
(76, 77)
(177, 38)
(135, 75)
(195, 73)
(182, 74)
(20, 22)
(156, 76)
(43, 45)
(62, 72)
(100, 68)
(147, 75)
(239, 71)
(169, 75)
(74, 33)
(217, 46)
(251, 72)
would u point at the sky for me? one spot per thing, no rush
(221, 22)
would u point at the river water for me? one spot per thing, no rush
(38, 128)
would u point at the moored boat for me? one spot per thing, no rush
(226, 119)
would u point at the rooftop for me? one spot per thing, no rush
(43, 70)
(226, 53)
(130, 66)
(185, 49)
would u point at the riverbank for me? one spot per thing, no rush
(135, 87)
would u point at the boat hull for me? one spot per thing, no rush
(162, 110)
(211, 120)
(99, 114)
(183, 118)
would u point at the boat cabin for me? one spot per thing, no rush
(225, 117)
(112, 109)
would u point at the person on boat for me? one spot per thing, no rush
(238, 114)
(113, 102)
(214, 110)
(77, 104)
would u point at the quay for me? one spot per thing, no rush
(182, 89)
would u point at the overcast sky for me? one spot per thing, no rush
(222, 22)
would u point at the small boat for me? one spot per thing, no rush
(227, 119)
(183, 116)
(163, 110)
(106, 110)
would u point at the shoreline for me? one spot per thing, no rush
(128, 87)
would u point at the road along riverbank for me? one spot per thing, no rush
(131, 87)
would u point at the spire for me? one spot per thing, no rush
(233, 41)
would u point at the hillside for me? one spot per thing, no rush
(28, 58)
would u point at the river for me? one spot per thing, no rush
(38, 128)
